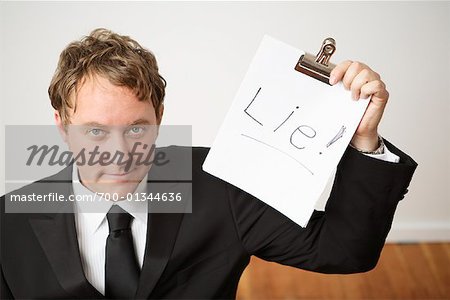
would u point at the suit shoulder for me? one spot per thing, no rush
(196, 153)
(199, 153)
(63, 176)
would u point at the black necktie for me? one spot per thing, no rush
(121, 266)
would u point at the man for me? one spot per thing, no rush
(107, 92)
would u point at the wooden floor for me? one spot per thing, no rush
(404, 271)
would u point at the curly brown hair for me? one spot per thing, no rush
(116, 57)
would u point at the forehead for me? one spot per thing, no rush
(97, 100)
(97, 87)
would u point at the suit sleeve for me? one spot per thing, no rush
(345, 238)
(5, 292)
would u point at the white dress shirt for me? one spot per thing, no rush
(92, 229)
(386, 156)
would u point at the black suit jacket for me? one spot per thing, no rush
(203, 254)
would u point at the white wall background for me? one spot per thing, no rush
(204, 49)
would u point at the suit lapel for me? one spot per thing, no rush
(57, 236)
(58, 239)
(162, 231)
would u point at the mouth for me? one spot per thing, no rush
(119, 175)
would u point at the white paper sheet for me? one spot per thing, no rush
(284, 133)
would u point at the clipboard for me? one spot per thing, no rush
(319, 66)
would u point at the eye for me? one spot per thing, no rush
(136, 131)
(96, 132)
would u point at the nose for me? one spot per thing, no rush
(119, 150)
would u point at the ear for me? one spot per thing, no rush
(158, 121)
(59, 123)
(161, 112)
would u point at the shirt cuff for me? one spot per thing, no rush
(386, 156)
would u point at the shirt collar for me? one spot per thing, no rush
(94, 212)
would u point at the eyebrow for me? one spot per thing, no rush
(93, 124)
(136, 122)
(141, 122)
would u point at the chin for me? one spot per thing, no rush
(123, 188)
(115, 190)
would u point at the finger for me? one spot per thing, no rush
(376, 89)
(351, 73)
(338, 72)
(363, 77)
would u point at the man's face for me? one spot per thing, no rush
(111, 119)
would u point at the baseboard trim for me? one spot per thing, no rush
(419, 232)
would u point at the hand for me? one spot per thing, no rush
(363, 82)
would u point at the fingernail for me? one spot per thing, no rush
(332, 79)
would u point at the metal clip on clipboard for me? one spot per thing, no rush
(319, 66)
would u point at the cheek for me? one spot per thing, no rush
(78, 143)
(81, 152)
(138, 174)
(90, 174)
